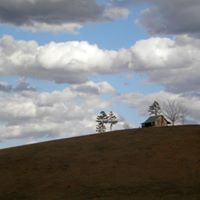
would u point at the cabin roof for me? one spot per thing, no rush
(153, 119)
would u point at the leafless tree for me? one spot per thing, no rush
(174, 111)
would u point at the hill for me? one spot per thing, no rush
(138, 164)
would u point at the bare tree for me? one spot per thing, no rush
(174, 111)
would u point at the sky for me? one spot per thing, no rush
(64, 61)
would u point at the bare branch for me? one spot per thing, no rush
(174, 111)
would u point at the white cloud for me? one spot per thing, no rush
(76, 61)
(172, 63)
(34, 115)
(141, 102)
(5, 87)
(67, 113)
(23, 85)
(71, 28)
(71, 62)
(94, 88)
(113, 12)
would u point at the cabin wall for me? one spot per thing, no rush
(160, 122)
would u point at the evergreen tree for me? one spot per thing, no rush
(112, 119)
(100, 127)
(102, 117)
(155, 109)
(101, 120)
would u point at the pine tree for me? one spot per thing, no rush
(101, 120)
(112, 119)
(102, 117)
(100, 127)
(155, 109)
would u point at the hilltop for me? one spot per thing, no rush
(140, 164)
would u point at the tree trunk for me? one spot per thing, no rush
(111, 126)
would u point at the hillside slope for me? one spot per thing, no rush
(138, 164)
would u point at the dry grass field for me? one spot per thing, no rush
(136, 164)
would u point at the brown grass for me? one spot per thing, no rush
(137, 164)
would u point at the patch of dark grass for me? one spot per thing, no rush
(15, 196)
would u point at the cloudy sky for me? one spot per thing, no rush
(63, 61)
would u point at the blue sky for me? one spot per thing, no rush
(64, 63)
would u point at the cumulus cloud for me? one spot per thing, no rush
(5, 87)
(66, 62)
(67, 113)
(56, 15)
(114, 12)
(71, 28)
(23, 85)
(174, 63)
(177, 17)
(71, 112)
(141, 102)
(94, 88)
(161, 17)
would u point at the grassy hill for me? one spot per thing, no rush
(137, 164)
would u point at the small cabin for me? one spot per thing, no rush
(156, 121)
